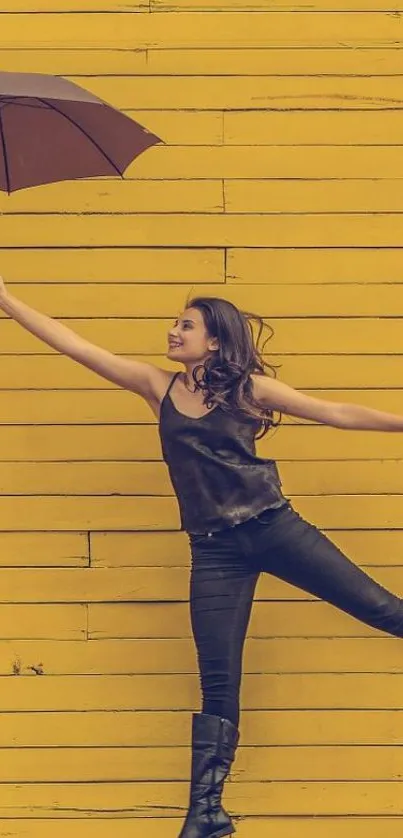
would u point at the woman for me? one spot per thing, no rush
(237, 519)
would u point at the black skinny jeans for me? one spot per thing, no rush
(225, 569)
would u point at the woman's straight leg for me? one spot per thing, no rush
(222, 586)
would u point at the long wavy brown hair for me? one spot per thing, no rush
(225, 375)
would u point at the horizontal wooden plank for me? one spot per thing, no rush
(302, 371)
(134, 549)
(251, 92)
(307, 335)
(316, 196)
(97, 513)
(38, 622)
(252, 265)
(92, 300)
(261, 5)
(60, 6)
(168, 729)
(139, 584)
(163, 655)
(120, 549)
(207, 62)
(211, 29)
(76, 61)
(291, 727)
(329, 127)
(228, 61)
(102, 442)
(294, 161)
(89, 265)
(290, 827)
(295, 444)
(117, 197)
(143, 478)
(205, 230)
(57, 6)
(51, 407)
(128, 584)
(296, 618)
(207, 196)
(67, 621)
(265, 265)
(32, 513)
(163, 692)
(341, 478)
(51, 549)
(334, 336)
(286, 798)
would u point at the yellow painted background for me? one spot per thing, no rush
(279, 188)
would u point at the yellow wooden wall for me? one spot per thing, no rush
(279, 188)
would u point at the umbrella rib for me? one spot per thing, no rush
(3, 143)
(73, 122)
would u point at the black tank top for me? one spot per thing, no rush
(217, 477)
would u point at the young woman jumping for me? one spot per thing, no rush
(238, 521)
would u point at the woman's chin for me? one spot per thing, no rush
(174, 355)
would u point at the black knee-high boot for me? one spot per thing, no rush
(214, 742)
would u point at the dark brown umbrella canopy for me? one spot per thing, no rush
(52, 130)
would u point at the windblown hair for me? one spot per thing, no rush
(225, 377)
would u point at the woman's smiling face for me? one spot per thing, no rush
(188, 340)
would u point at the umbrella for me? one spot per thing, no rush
(51, 129)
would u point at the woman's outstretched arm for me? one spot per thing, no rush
(278, 396)
(137, 376)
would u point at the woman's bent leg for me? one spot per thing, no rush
(296, 551)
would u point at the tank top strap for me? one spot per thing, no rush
(174, 377)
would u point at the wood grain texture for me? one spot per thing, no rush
(263, 799)
(148, 336)
(69, 513)
(284, 827)
(334, 372)
(199, 230)
(205, 61)
(209, 30)
(130, 299)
